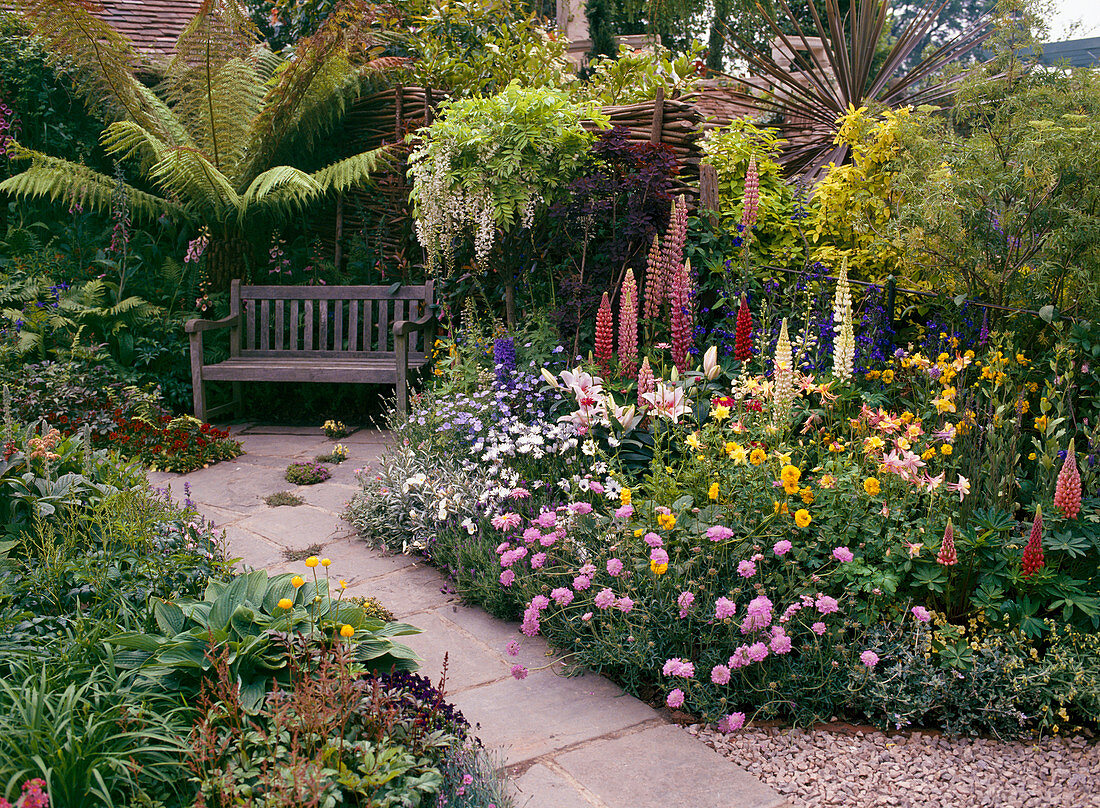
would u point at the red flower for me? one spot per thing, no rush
(1067, 491)
(948, 557)
(742, 342)
(1032, 560)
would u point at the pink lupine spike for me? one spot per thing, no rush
(605, 327)
(947, 555)
(1067, 491)
(628, 325)
(654, 282)
(646, 383)
(672, 251)
(682, 325)
(751, 202)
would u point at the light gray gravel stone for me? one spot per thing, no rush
(822, 769)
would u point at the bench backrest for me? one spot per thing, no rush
(349, 321)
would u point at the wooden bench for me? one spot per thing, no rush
(344, 334)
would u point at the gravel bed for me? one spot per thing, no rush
(819, 768)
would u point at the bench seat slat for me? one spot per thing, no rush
(302, 369)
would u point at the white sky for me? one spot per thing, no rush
(1071, 11)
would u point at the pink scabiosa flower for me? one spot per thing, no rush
(781, 548)
(530, 625)
(675, 698)
(1032, 560)
(720, 675)
(562, 596)
(614, 567)
(742, 341)
(818, 628)
(751, 202)
(653, 540)
(757, 652)
(678, 667)
(624, 604)
(580, 508)
(684, 601)
(624, 511)
(538, 560)
(759, 614)
(531, 534)
(1067, 490)
(921, 613)
(507, 578)
(826, 604)
(780, 642)
(869, 658)
(842, 554)
(723, 608)
(947, 555)
(547, 519)
(646, 383)
(746, 569)
(586, 616)
(732, 722)
(654, 281)
(512, 648)
(658, 556)
(604, 599)
(719, 533)
(519, 672)
(581, 583)
(628, 324)
(605, 335)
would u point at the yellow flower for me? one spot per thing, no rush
(1031, 456)
(326, 562)
(873, 444)
(693, 440)
(802, 517)
(1041, 423)
(928, 453)
(872, 486)
(1021, 359)
(757, 456)
(286, 603)
(658, 569)
(713, 492)
(736, 452)
(807, 496)
(666, 520)
(790, 473)
(784, 458)
(946, 449)
(624, 496)
(343, 584)
(887, 376)
(297, 580)
(312, 562)
(720, 413)
(639, 532)
(827, 481)
(781, 508)
(790, 487)
(347, 631)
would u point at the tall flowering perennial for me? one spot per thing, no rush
(1032, 560)
(1067, 491)
(646, 383)
(628, 324)
(947, 556)
(742, 341)
(683, 331)
(605, 335)
(844, 349)
(654, 281)
(672, 251)
(783, 393)
(751, 204)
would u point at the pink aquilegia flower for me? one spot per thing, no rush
(684, 601)
(562, 596)
(921, 613)
(842, 554)
(519, 672)
(818, 628)
(869, 658)
(624, 604)
(781, 548)
(614, 567)
(507, 577)
(826, 604)
(719, 533)
(675, 698)
(604, 599)
(720, 675)
(512, 647)
(723, 608)
(746, 569)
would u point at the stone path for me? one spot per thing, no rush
(575, 742)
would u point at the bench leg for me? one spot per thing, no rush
(200, 398)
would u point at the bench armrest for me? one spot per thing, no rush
(404, 327)
(198, 326)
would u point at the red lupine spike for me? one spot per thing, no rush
(742, 343)
(1032, 560)
(604, 334)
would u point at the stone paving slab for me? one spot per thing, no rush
(663, 767)
(576, 742)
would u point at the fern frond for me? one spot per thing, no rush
(355, 171)
(281, 186)
(126, 139)
(99, 58)
(190, 175)
(211, 83)
(54, 178)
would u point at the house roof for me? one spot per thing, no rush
(1072, 52)
(152, 25)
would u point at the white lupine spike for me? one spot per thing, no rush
(844, 346)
